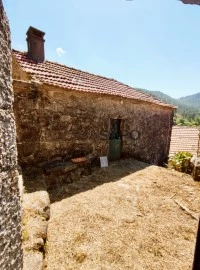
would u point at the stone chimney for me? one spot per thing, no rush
(35, 41)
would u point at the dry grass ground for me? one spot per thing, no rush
(127, 216)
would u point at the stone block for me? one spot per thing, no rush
(33, 260)
(37, 202)
(6, 96)
(10, 218)
(8, 154)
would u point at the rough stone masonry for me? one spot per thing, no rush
(10, 230)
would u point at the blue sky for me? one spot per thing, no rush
(151, 44)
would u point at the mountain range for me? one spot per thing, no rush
(191, 102)
(188, 111)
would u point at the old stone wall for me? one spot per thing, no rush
(58, 123)
(10, 231)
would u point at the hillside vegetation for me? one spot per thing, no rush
(188, 111)
(193, 100)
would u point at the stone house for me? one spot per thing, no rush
(64, 113)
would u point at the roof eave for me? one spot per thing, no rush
(111, 95)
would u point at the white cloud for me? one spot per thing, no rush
(60, 51)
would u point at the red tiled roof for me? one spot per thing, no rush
(184, 139)
(60, 75)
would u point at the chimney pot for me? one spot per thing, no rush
(35, 41)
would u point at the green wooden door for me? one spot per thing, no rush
(115, 142)
(114, 149)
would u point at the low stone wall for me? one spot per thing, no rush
(36, 213)
(10, 229)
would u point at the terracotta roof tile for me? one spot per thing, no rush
(184, 139)
(60, 75)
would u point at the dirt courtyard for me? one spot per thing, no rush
(127, 216)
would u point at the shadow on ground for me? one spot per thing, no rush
(60, 188)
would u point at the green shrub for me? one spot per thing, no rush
(181, 161)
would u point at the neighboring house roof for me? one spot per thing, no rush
(60, 75)
(184, 139)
